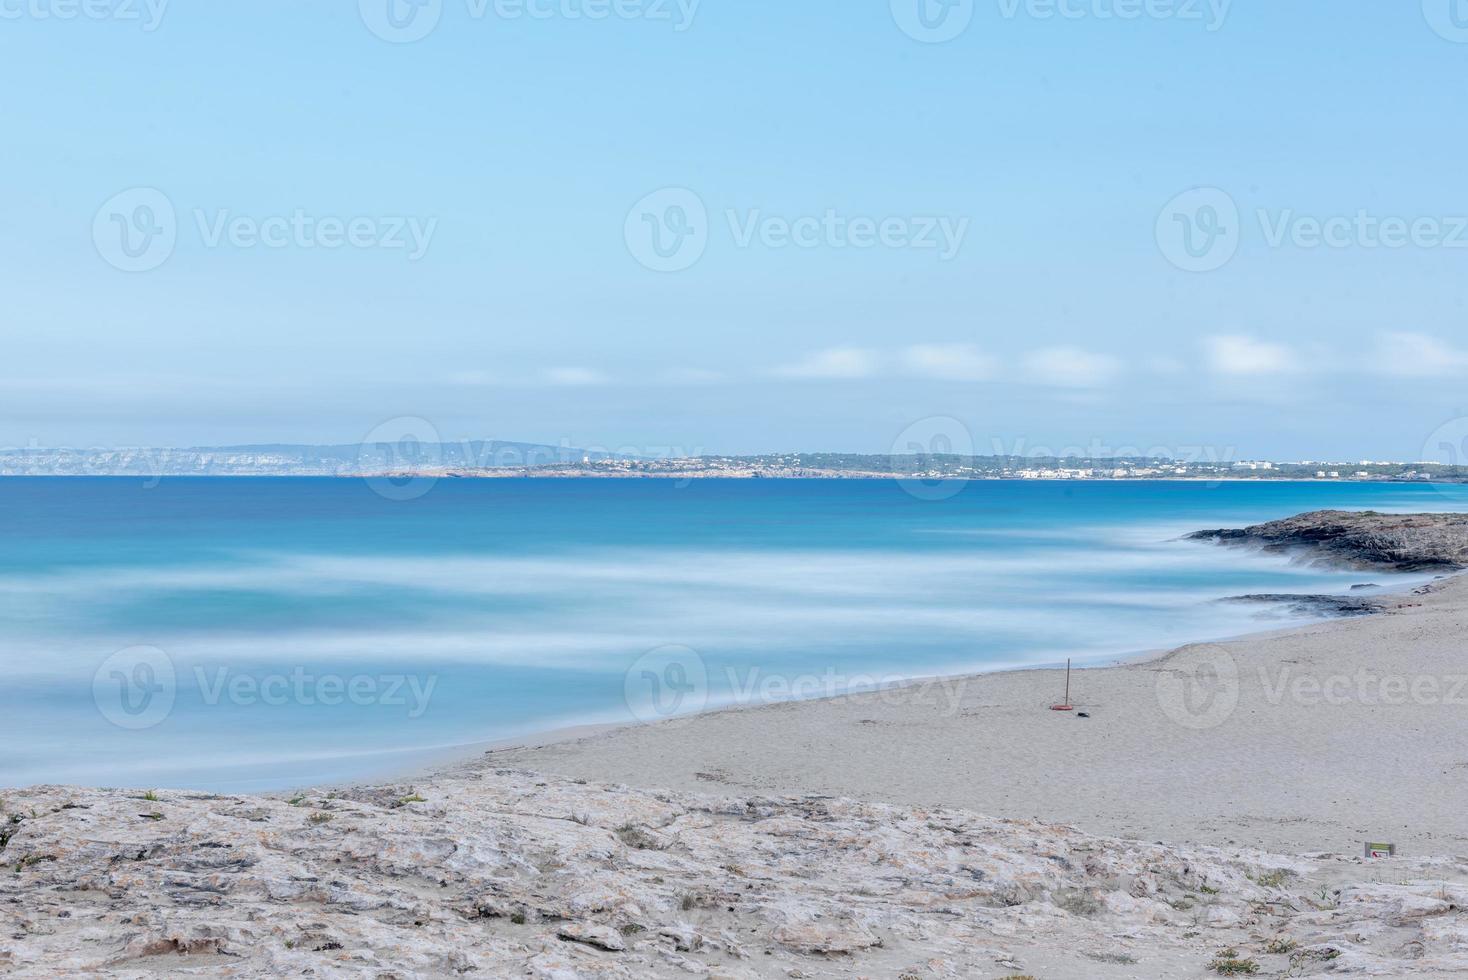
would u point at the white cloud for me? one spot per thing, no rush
(949, 362)
(1416, 355)
(572, 376)
(834, 362)
(1238, 354)
(1071, 367)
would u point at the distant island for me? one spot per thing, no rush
(497, 459)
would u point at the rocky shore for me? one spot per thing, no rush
(493, 873)
(1363, 539)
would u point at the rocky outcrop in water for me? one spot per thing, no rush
(1364, 539)
(1316, 605)
(490, 873)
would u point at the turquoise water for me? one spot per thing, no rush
(259, 634)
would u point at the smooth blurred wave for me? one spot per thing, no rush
(517, 606)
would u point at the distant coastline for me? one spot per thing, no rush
(483, 459)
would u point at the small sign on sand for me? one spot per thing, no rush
(1375, 851)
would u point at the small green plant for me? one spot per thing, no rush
(1076, 902)
(319, 817)
(518, 918)
(151, 796)
(8, 829)
(1280, 945)
(1274, 879)
(297, 800)
(411, 798)
(1229, 963)
(1208, 889)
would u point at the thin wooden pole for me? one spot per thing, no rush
(1067, 681)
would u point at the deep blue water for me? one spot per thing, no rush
(256, 634)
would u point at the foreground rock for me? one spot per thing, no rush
(1365, 539)
(495, 872)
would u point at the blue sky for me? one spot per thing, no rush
(816, 150)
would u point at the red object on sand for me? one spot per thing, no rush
(1066, 705)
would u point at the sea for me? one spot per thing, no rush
(252, 634)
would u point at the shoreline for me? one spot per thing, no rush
(448, 758)
(1122, 777)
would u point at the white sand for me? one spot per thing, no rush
(1383, 755)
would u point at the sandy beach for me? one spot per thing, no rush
(1342, 731)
